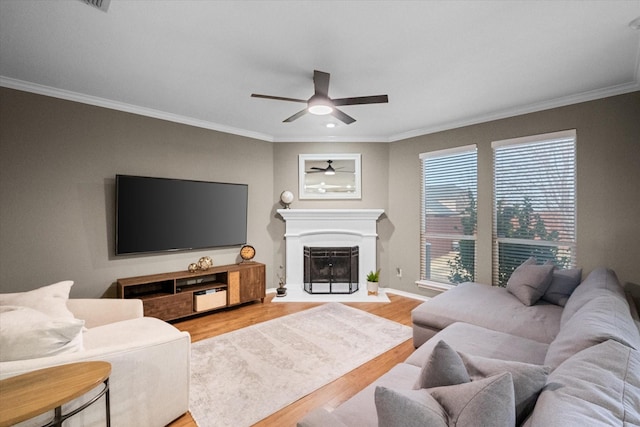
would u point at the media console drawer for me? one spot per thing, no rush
(202, 302)
(168, 307)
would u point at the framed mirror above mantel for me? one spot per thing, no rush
(329, 176)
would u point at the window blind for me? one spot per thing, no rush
(449, 215)
(534, 202)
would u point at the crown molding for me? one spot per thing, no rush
(524, 109)
(329, 139)
(162, 115)
(128, 108)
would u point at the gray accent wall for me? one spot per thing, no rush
(58, 161)
(608, 185)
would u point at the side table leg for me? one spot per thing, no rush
(107, 402)
(57, 417)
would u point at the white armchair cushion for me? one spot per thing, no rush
(103, 311)
(26, 333)
(50, 300)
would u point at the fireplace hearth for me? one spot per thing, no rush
(331, 270)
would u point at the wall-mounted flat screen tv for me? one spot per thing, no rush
(161, 214)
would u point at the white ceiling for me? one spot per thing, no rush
(443, 64)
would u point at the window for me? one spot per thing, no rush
(448, 217)
(534, 212)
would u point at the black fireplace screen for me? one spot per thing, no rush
(331, 270)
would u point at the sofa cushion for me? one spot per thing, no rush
(360, 410)
(486, 402)
(598, 386)
(50, 300)
(528, 379)
(26, 333)
(600, 281)
(408, 408)
(491, 307)
(443, 367)
(479, 341)
(563, 283)
(600, 319)
(319, 417)
(529, 281)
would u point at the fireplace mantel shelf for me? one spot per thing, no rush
(333, 214)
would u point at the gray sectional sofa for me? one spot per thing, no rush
(586, 351)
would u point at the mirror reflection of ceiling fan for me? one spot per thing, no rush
(321, 104)
(329, 170)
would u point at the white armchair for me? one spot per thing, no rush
(149, 359)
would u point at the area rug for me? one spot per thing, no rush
(297, 294)
(241, 377)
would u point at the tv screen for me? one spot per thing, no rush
(160, 214)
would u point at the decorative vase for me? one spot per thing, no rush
(372, 288)
(205, 263)
(281, 291)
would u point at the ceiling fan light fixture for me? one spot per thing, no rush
(320, 106)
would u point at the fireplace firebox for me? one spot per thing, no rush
(331, 270)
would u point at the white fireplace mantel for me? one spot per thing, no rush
(329, 228)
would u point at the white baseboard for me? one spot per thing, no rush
(387, 290)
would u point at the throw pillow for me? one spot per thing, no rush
(408, 408)
(443, 367)
(563, 283)
(529, 282)
(486, 402)
(528, 379)
(26, 333)
(50, 300)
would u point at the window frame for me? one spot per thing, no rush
(569, 245)
(425, 282)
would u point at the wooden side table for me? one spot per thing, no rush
(25, 396)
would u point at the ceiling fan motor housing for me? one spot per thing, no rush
(320, 105)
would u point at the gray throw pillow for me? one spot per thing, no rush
(529, 282)
(408, 408)
(486, 402)
(563, 283)
(443, 367)
(528, 379)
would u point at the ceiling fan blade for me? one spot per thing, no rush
(321, 83)
(375, 99)
(295, 116)
(278, 98)
(347, 119)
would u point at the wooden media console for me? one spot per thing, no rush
(170, 296)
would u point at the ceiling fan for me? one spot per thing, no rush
(321, 104)
(329, 170)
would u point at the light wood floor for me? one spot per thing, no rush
(329, 396)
